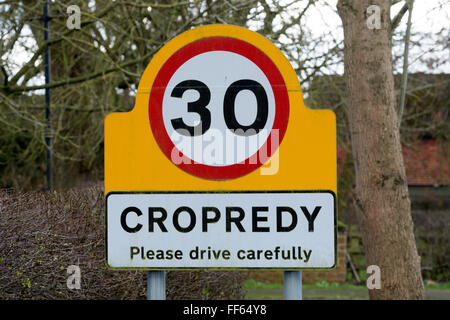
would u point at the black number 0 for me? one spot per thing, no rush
(229, 111)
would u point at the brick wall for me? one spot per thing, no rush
(338, 274)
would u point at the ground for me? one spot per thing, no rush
(323, 291)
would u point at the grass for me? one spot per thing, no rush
(437, 285)
(323, 290)
(252, 284)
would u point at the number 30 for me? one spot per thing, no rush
(229, 111)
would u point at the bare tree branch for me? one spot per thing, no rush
(405, 66)
(396, 21)
(80, 79)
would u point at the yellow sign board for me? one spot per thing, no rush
(135, 160)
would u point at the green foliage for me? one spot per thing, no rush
(205, 292)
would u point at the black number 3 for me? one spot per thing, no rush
(198, 107)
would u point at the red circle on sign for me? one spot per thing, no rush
(263, 62)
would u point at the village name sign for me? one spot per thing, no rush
(220, 164)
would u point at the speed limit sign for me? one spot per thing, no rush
(213, 90)
(220, 164)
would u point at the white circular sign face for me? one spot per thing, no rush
(218, 108)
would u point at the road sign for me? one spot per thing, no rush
(220, 164)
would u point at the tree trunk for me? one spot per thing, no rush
(382, 200)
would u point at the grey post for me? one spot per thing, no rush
(156, 285)
(292, 284)
(48, 132)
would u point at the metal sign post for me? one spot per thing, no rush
(292, 285)
(48, 132)
(156, 285)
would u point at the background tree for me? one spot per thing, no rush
(381, 187)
